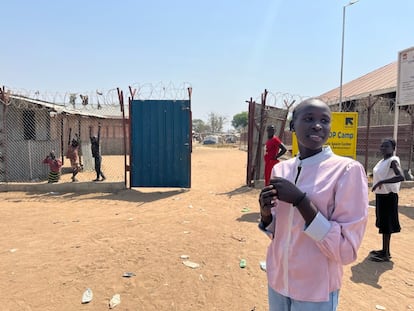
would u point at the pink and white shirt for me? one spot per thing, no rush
(307, 263)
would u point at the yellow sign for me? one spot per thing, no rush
(343, 135)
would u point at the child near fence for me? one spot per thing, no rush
(55, 166)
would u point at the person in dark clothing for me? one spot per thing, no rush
(96, 153)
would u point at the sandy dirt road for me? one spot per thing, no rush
(54, 246)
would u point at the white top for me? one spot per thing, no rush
(382, 170)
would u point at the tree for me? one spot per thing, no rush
(240, 120)
(199, 126)
(216, 122)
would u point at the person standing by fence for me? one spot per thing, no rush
(96, 154)
(73, 155)
(387, 178)
(54, 165)
(274, 150)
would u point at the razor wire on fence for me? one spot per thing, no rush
(160, 90)
(34, 124)
(33, 129)
(376, 117)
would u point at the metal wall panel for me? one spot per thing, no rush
(160, 143)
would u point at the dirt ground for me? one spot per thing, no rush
(54, 246)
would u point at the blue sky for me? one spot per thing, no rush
(227, 50)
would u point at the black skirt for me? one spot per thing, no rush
(386, 210)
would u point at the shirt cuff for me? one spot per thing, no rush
(318, 228)
(268, 230)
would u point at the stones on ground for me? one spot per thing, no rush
(115, 300)
(128, 274)
(87, 296)
(191, 264)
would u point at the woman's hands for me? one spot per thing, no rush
(281, 189)
(267, 197)
(286, 190)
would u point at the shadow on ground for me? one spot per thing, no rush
(240, 190)
(134, 195)
(407, 211)
(250, 217)
(369, 272)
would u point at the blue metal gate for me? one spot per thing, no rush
(160, 143)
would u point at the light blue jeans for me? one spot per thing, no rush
(279, 302)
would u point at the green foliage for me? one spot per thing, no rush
(240, 120)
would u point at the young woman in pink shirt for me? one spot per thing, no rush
(315, 211)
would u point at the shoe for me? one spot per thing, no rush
(96, 179)
(379, 253)
(380, 258)
(74, 179)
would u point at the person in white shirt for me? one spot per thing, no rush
(387, 178)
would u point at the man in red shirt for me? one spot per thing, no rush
(274, 150)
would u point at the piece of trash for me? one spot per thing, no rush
(186, 232)
(129, 219)
(13, 250)
(184, 257)
(245, 210)
(191, 264)
(379, 307)
(201, 277)
(53, 193)
(87, 296)
(128, 274)
(190, 206)
(238, 239)
(263, 265)
(115, 300)
(243, 263)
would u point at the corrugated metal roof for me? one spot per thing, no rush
(380, 81)
(56, 107)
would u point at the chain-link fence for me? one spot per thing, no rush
(376, 120)
(33, 124)
(273, 109)
(31, 127)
